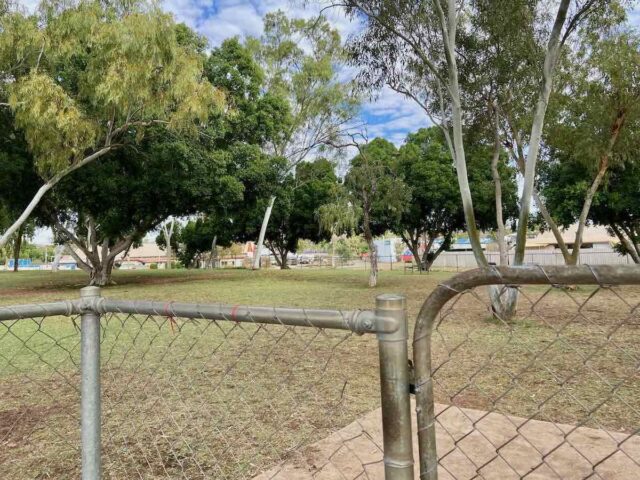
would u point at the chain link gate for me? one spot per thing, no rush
(552, 393)
(173, 390)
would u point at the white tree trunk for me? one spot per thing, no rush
(263, 231)
(43, 190)
(58, 252)
(504, 300)
(25, 214)
(167, 230)
(553, 49)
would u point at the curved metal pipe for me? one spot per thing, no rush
(603, 275)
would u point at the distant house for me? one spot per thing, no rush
(141, 257)
(145, 255)
(593, 238)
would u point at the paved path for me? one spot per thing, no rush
(539, 450)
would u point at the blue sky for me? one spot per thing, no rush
(390, 115)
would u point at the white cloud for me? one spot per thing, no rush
(392, 116)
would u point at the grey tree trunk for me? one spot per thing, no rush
(497, 182)
(504, 300)
(551, 56)
(582, 220)
(17, 246)
(373, 259)
(100, 275)
(263, 231)
(167, 231)
(58, 252)
(628, 242)
(213, 258)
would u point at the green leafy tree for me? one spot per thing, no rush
(373, 189)
(617, 206)
(18, 182)
(90, 77)
(256, 115)
(433, 211)
(596, 127)
(300, 60)
(295, 217)
(164, 175)
(198, 236)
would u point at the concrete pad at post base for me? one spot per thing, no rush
(500, 447)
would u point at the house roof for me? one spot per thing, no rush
(591, 234)
(147, 249)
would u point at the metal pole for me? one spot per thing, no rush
(90, 393)
(394, 389)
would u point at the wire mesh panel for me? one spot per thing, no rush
(39, 398)
(189, 398)
(552, 392)
(193, 398)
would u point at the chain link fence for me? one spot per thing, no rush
(551, 393)
(103, 388)
(156, 390)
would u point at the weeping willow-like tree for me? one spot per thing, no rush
(86, 77)
(337, 218)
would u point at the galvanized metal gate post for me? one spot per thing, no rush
(90, 389)
(394, 389)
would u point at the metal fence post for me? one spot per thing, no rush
(394, 389)
(90, 390)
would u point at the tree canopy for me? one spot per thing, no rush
(106, 207)
(91, 76)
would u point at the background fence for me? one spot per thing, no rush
(464, 260)
(460, 261)
(553, 392)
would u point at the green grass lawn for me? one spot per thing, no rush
(305, 287)
(200, 399)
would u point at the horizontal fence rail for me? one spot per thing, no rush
(551, 390)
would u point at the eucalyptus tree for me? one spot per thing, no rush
(300, 59)
(596, 123)
(414, 48)
(84, 78)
